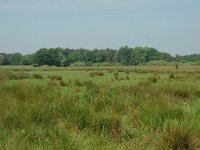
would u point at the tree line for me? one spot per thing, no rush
(65, 57)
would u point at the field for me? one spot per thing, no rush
(100, 108)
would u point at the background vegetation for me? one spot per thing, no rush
(98, 57)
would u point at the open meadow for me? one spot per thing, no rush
(117, 108)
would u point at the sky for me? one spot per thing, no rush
(171, 26)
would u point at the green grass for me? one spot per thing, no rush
(99, 108)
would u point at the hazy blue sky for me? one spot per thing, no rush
(168, 25)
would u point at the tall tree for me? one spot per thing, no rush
(28, 59)
(138, 55)
(15, 59)
(47, 57)
(4, 59)
(125, 55)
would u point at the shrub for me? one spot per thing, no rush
(121, 70)
(157, 63)
(97, 73)
(62, 83)
(78, 64)
(109, 124)
(55, 77)
(177, 66)
(121, 78)
(36, 65)
(181, 93)
(82, 117)
(77, 82)
(37, 76)
(91, 86)
(171, 76)
(116, 78)
(52, 84)
(115, 74)
(152, 79)
(18, 76)
(127, 72)
(127, 78)
(179, 136)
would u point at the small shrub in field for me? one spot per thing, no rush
(3, 76)
(62, 83)
(152, 79)
(181, 93)
(14, 121)
(110, 125)
(197, 77)
(171, 76)
(127, 78)
(55, 77)
(177, 136)
(82, 117)
(197, 93)
(18, 76)
(91, 74)
(115, 74)
(111, 70)
(77, 90)
(177, 66)
(97, 73)
(116, 78)
(156, 117)
(69, 82)
(121, 70)
(36, 65)
(77, 82)
(91, 86)
(99, 105)
(52, 84)
(121, 78)
(88, 83)
(37, 76)
(127, 72)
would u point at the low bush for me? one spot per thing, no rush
(171, 76)
(116, 74)
(77, 82)
(108, 124)
(37, 76)
(62, 83)
(152, 79)
(127, 78)
(55, 77)
(96, 73)
(178, 135)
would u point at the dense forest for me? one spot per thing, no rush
(84, 57)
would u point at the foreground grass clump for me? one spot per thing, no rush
(177, 135)
(74, 111)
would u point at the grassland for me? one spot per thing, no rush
(100, 108)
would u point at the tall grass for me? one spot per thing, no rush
(79, 113)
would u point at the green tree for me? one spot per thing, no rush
(28, 59)
(15, 59)
(125, 55)
(138, 55)
(152, 54)
(47, 57)
(4, 59)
